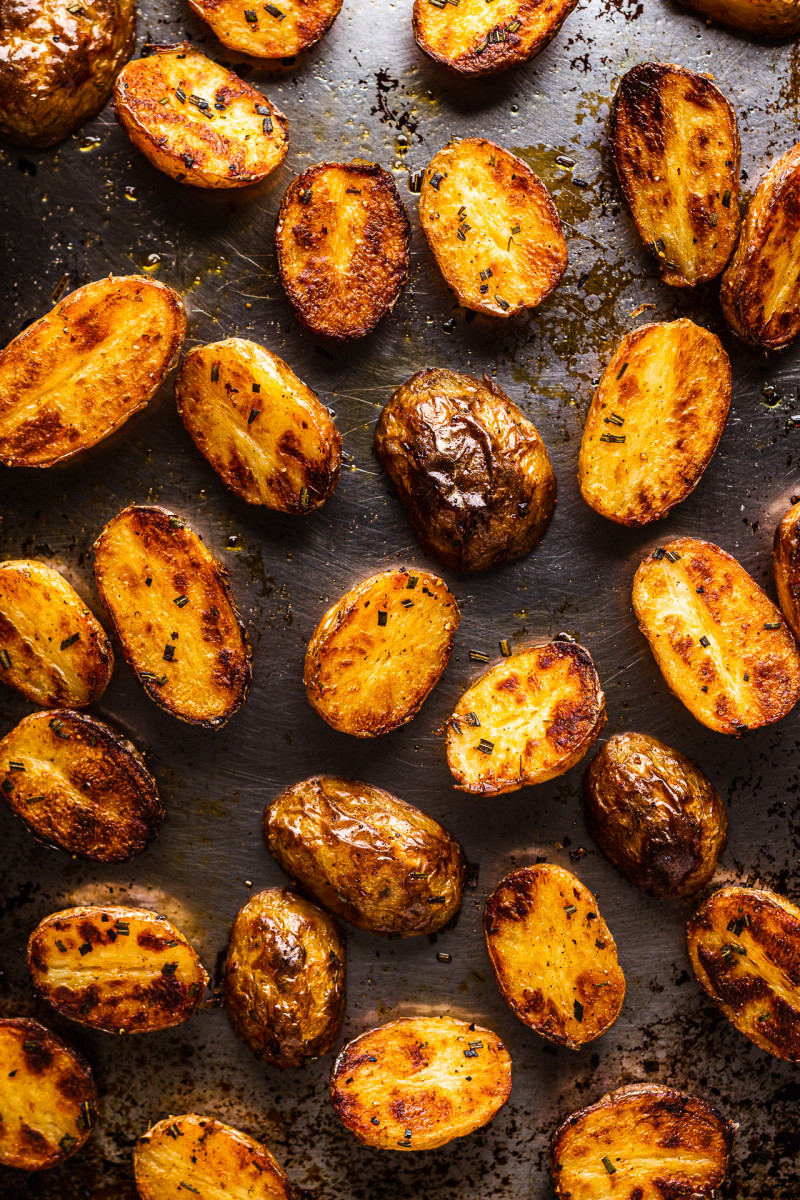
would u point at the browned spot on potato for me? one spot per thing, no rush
(474, 38)
(268, 31)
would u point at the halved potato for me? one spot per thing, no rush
(744, 944)
(492, 226)
(264, 432)
(119, 969)
(417, 1083)
(527, 719)
(197, 122)
(553, 956)
(655, 421)
(268, 30)
(52, 648)
(786, 567)
(721, 644)
(341, 242)
(78, 784)
(760, 292)
(189, 1155)
(78, 373)
(48, 1099)
(765, 18)
(373, 859)
(480, 39)
(471, 471)
(642, 1142)
(174, 615)
(379, 651)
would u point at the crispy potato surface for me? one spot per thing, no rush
(527, 719)
(642, 1142)
(471, 471)
(379, 651)
(476, 40)
(373, 859)
(48, 1100)
(341, 241)
(174, 615)
(655, 421)
(719, 641)
(264, 432)
(744, 944)
(786, 567)
(554, 959)
(119, 969)
(197, 122)
(417, 1083)
(654, 815)
(78, 373)
(268, 30)
(492, 226)
(765, 18)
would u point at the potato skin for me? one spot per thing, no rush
(424, 1080)
(285, 979)
(744, 945)
(302, 24)
(786, 567)
(57, 67)
(48, 1097)
(466, 41)
(472, 473)
(654, 815)
(765, 18)
(380, 863)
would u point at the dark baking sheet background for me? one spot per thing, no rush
(94, 207)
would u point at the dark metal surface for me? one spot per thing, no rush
(95, 206)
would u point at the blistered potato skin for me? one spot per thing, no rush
(749, 673)
(654, 422)
(553, 956)
(227, 142)
(264, 432)
(78, 373)
(424, 1080)
(138, 975)
(48, 1098)
(744, 945)
(269, 36)
(765, 18)
(786, 567)
(285, 978)
(460, 40)
(380, 863)
(471, 471)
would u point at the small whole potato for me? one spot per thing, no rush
(654, 815)
(786, 567)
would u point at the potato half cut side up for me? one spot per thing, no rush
(786, 566)
(472, 38)
(271, 31)
(764, 18)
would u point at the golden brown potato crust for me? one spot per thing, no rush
(268, 30)
(474, 39)
(744, 944)
(417, 1083)
(786, 567)
(373, 859)
(471, 471)
(58, 62)
(654, 815)
(765, 18)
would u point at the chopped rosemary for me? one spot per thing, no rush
(266, 125)
(169, 652)
(435, 180)
(122, 927)
(181, 601)
(383, 616)
(444, 958)
(726, 198)
(415, 180)
(16, 766)
(254, 412)
(479, 656)
(607, 1163)
(612, 437)
(304, 497)
(472, 719)
(5, 659)
(772, 624)
(70, 641)
(615, 419)
(169, 968)
(174, 1132)
(407, 603)
(672, 556)
(57, 728)
(470, 1054)
(713, 221)
(578, 1010)
(67, 1142)
(85, 949)
(622, 370)
(659, 553)
(176, 522)
(413, 580)
(704, 641)
(505, 648)
(251, 17)
(503, 303)
(215, 372)
(485, 746)
(181, 95)
(60, 945)
(512, 27)
(274, 12)
(569, 909)
(86, 1118)
(187, 1187)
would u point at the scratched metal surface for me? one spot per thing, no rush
(95, 206)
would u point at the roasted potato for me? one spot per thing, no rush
(654, 815)
(58, 62)
(52, 648)
(744, 944)
(719, 641)
(373, 859)
(417, 1083)
(476, 40)
(285, 978)
(554, 959)
(174, 615)
(48, 1100)
(786, 567)
(78, 373)
(268, 31)
(264, 432)
(119, 969)
(655, 421)
(183, 1156)
(642, 1142)
(760, 292)
(527, 719)
(492, 226)
(79, 785)
(341, 241)
(379, 651)
(198, 123)
(765, 18)
(675, 144)
(471, 471)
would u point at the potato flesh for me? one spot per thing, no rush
(479, 40)
(786, 567)
(270, 35)
(766, 18)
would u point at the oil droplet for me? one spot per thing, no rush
(152, 262)
(88, 143)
